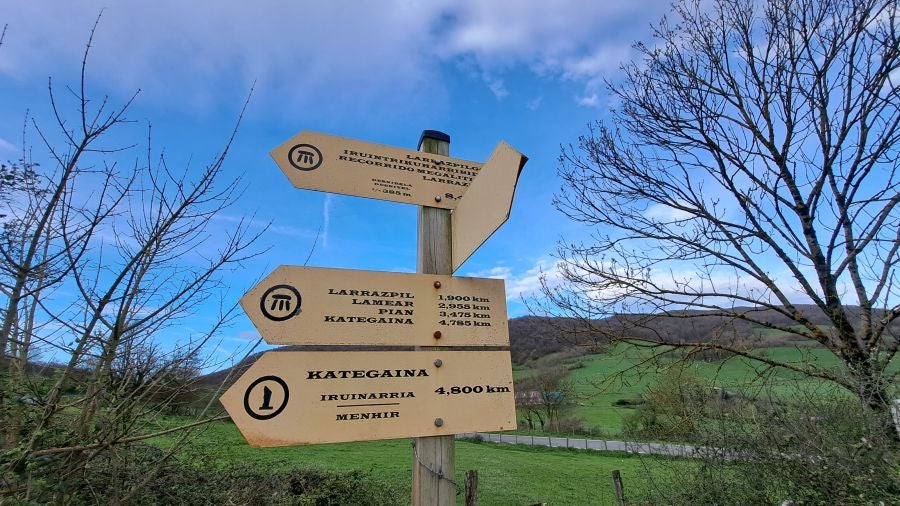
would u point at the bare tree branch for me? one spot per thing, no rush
(751, 168)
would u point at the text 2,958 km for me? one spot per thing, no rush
(476, 389)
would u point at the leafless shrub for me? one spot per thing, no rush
(97, 262)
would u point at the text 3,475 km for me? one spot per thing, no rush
(476, 389)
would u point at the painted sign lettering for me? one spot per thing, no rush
(366, 395)
(310, 305)
(316, 161)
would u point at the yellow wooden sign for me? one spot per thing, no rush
(322, 162)
(312, 305)
(297, 398)
(486, 204)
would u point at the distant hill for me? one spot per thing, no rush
(532, 337)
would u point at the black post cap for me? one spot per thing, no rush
(433, 134)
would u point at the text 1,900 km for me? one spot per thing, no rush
(463, 298)
(477, 389)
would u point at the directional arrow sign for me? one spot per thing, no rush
(297, 398)
(310, 305)
(316, 161)
(486, 203)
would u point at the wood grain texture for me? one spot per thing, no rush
(434, 457)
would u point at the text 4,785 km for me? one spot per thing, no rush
(477, 389)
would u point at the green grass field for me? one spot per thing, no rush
(508, 475)
(518, 475)
(605, 378)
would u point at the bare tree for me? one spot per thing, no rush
(750, 166)
(98, 264)
(544, 395)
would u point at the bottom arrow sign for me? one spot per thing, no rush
(297, 397)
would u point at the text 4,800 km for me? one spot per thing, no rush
(477, 389)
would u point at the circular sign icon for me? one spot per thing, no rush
(280, 303)
(266, 397)
(305, 157)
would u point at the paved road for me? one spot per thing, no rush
(674, 450)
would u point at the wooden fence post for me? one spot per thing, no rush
(472, 488)
(895, 412)
(617, 484)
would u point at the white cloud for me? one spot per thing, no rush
(666, 213)
(693, 281)
(285, 230)
(497, 88)
(528, 283)
(498, 272)
(605, 60)
(529, 30)
(576, 40)
(244, 336)
(5, 145)
(343, 53)
(893, 80)
(524, 283)
(332, 51)
(588, 101)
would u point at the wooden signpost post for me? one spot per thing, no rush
(430, 391)
(434, 458)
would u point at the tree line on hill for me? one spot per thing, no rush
(532, 337)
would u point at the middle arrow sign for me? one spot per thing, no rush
(306, 305)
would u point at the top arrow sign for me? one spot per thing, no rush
(487, 202)
(316, 161)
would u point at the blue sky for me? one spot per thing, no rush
(527, 72)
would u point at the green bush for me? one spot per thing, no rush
(669, 408)
(631, 402)
(808, 447)
(108, 479)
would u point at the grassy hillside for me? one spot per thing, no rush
(534, 337)
(603, 379)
